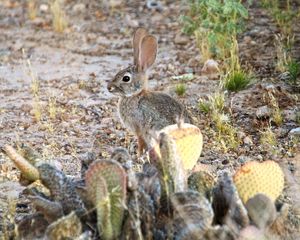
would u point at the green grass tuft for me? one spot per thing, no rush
(293, 67)
(237, 80)
(180, 89)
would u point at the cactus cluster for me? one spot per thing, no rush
(254, 177)
(160, 202)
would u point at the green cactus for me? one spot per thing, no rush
(67, 227)
(255, 177)
(202, 182)
(171, 172)
(106, 187)
(29, 171)
(29, 154)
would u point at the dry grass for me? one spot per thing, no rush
(9, 218)
(52, 107)
(225, 132)
(59, 17)
(268, 138)
(277, 117)
(32, 9)
(35, 89)
(283, 46)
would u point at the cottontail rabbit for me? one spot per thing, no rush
(141, 110)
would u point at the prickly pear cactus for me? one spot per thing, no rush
(255, 177)
(62, 189)
(261, 210)
(227, 205)
(202, 182)
(193, 215)
(67, 227)
(29, 154)
(106, 186)
(188, 140)
(29, 171)
(171, 166)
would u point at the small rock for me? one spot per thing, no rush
(38, 22)
(131, 22)
(247, 39)
(261, 210)
(263, 112)
(180, 39)
(26, 108)
(281, 132)
(241, 135)
(295, 132)
(242, 159)
(247, 140)
(79, 8)
(157, 18)
(44, 8)
(289, 115)
(210, 66)
(154, 5)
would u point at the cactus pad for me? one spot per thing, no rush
(67, 227)
(255, 177)
(106, 186)
(188, 140)
(29, 171)
(202, 182)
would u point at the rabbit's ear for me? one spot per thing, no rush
(139, 34)
(147, 53)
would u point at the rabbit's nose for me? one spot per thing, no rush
(110, 88)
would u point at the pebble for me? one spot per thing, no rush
(295, 132)
(241, 135)
(180, 39)
(247, 140)
(280, 132)
(38, 22)
(79, 8)
(154, 5)
(263, 112)
(44, 8)
(247, 39)
(210, 66)
(242, 159)
(289, 115)
(133, 23)
(26, 108)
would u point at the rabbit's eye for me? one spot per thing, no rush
(126, 79)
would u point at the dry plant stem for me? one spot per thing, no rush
(35, 90)
(137, 221)
(32, 10)
(59, 18)
(28, 170)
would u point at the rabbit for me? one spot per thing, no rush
(143, 111)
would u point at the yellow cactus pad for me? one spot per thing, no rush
(255, 177)
(188, 141)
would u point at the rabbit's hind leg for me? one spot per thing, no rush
(142, 146)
